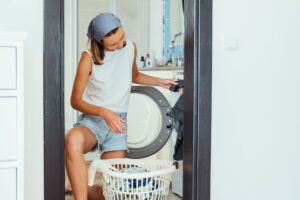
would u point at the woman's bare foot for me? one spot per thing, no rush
(68, 188)
(95, 192)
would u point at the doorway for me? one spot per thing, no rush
(197, 99)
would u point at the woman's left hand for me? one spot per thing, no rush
(166, 83)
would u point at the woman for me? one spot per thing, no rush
(105, 72)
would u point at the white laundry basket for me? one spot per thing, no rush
(132, 179)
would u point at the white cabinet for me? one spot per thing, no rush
(11, 116)
(8, 128)
(8, 67)
(8, 185)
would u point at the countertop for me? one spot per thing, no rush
(161, 68)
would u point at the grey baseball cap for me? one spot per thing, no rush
(101, 25)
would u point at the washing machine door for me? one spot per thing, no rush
(149, 121)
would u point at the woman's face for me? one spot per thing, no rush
(115, 41)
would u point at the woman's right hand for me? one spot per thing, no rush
(114, 121)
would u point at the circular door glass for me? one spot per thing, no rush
(144, 121)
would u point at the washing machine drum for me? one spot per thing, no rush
(149, 121)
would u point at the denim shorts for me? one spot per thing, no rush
(107, 140)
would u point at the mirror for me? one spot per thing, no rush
(156, 26)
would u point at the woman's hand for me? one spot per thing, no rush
(166, 83)
(114, 121)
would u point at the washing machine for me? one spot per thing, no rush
(151, 132)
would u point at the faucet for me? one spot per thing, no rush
(173, 59)
(176, 35)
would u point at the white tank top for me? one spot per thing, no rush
(109, 83)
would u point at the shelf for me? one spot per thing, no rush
(161, 68)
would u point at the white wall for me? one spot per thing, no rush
(256, 100)
(27, 16)
(155, 30)
(176, 20)
(70, 63)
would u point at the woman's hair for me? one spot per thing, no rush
(97, 48)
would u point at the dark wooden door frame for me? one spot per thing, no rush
(197, 99)
(54, 100)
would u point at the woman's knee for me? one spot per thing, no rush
(74, 141)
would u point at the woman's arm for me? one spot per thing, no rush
(140, 78)
(84, 70)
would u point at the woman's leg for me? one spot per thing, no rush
(78, 141)
(95, 192)
(113, 154)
